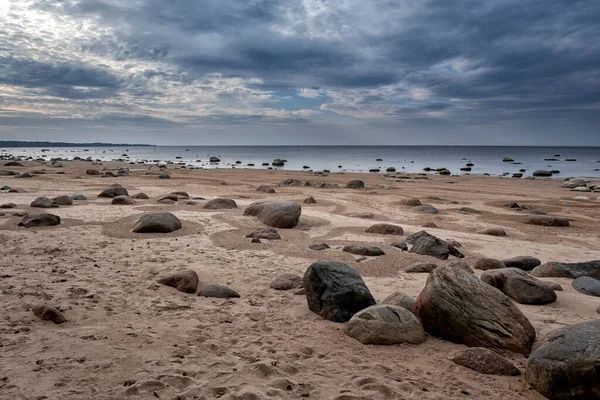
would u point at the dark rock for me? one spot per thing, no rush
(468, 210)
(109, 174)
(218, 291)
(114, 191)
(287, 281)
(567, 364)
(7, 172)
(159, 222)
(14, 164)
(485, 361)
(164, 176)
(63, 200)
(412, 202)
(291, 182)
(361, 250)
(587, 285)
(264, 233)
(526, 263)
(220, 203)
(319, 246)
(335, 291)
(5, 188)
(184, 281)
(265, 189)
(544, 220)
(123, 200)
(310, 200)
(457, 306)
(92, 172)
(140, 196)
(400, 245)
(385, 324)
(275, 213)
(49, 313)
(255, 240)
(541, 172)
(401, 300)
(166, 201)
(425, 209)
(493, 232)
(8, 205)
(385, 229)
(79, 197)
(429, 245)
(24, 175)
(169, 196)
(568, 270)
(30, 221)
(422, 267)
(44, 202)
(356, 184)
(519, 286)
(485, 263)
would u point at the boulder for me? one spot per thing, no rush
(356, 184)
(14, 164)
(587, 285)
(30, 221)
(400, 245)
(49, 313)
(44, 202)
(520, 286)
(319, 246)
(335, 291)
(220, 203)
(265, 189)
(170, 196)
(568, 270)
(140, 196)
(63, 200)
(412, 202)
(455, 305)
(264, 233)
(485, 361)
(401, 300)
(184, 281)
(78, 197)
(493, 232)
(462, 265)
(158, 222)
(468, 210)
(526, 263)
(310, 200)
(276, 213)
(123, 200)
(218, 291)
(92, 172)
(542, 172)
(287, 281)
(567, 364)
(425, 209)
(544, 220)
(385, 324)
(361, 250)
(485, 264)
(385, 229)
(8, 205)
(114, 191)
(421, 267)
(429, 245)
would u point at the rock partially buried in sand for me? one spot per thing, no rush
(310, 200)
(265, 189)
(79, 197)
(385, 324)
(159, 222)
(366, 215)
(485, 263)
(335, 291)
(287, 281)
(218, 291)
(567, 270)
(421, 267)
(429, 245)
(400, 245)
(49, 313)
(31, 221)
(485, 361)
(567, 364)
(140, 196)
(275, 213)
(526, 263)
(520, 286)
(92, 172)
(468, 210)
(356, 184)
(122, 200)
(401, 300)
(220, 203)
(493, 232)
(319, 246)
(361, 250)
(425, 209)
(114, 191)
(265, 233)
(412, 202)
(184, 281)
(457, 306)
(8, 205)
(385, 229)
(44, 202)
(587, 285)
(63, 200)
(544, 220)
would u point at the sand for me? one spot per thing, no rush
(129, 337)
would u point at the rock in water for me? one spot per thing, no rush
(357, 184)
(218, 291)
(114, 191)
(159, 222)
(485, 264)
(264, 233)
(385, 325)
(526, 263)
(457, 306)
(49, 313)
(359, 250)
(31, 221)
(385, 229)
(220, 203)
(485, 361)
(429, 245)
(286, 281)
(544, 220)
(276, 213)
(568, 270)
(587, 285)
(44, 202)
(519, 286)
(184, 281)
(567, 364)
(335, 291)
(63, 200)
(401, 300)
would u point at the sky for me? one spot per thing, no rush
(213, 72)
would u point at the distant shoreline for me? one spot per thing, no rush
(19, 143)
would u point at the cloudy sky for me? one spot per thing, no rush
(301, 71)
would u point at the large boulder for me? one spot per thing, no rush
(44, 202)
(485, 361)
(526, 263)
(31, 221)
(587, 285)
(544, 220)
(356, 184)
(429, 245)
(568, 270)
(519, 286)
(335, 291)
(457, 306)
(361, 250)
(114, 191)
(220, 203)
(276, 213)
(385, 229)
(158, 222)
(567, 364)
(184, 281)
(385, 324)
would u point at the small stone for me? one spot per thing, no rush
(63, 200)
(361, 250)
(426, 209)
(385, 229)
(49, 313)
(218, 291)
(493, 232)
(412, 202)
(319, 246)
(122, 200)
(140, 196)
(400, 245)
(310, 200)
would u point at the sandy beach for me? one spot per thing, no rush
(129, 337)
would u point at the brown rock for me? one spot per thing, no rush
(544, 220)
(220, 204)
(485, 263)
(493, 232)
(310, 200)
(140, 196)
(275, 213)
(385, 229)
(485, 361)
(422, 267)
(265, 233)
(401, 300)
(63, 200)
(49, 313)
(122, 200)
(265, 189)
(519, 286)
(184, 281)
(412, 202)
(287, 281)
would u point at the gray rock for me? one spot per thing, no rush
(335, 291)
(425, 209)
(159, 222)
(14, 164)
(401, 300)
(287, 281)
(422, 267)
(412, 202)
(544, 220)
(567, 364)
(140, 196)
(568, 270)
(457, 306)
(520, 286)
(218, 291)
(5, 188)
(276, 213)
(361, 250)
(468, 210)
(169, 196)
(122, 200)
(78, 197)
(526, 263)
(429, 245)
(485, 263)
(400, 245)
(184, 281)
(264, 233)
(44, 202)
(8, 205)
(63, 200)
(385, 229)
(587, 285)
(31, 221)
(49, 313)
(493, 232)
(319, 246)
(7, 172)
(114, 191)
(485, 361)
(24, 175)
(220, 203)
(291, 182)
(462, 265)
(356, 184)
(265, 189)
(385, 324)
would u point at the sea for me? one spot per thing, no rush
(569, 161)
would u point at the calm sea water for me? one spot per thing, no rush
(486, 159)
